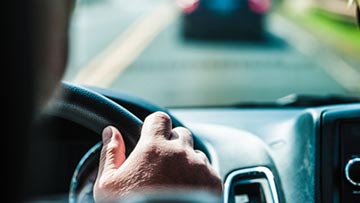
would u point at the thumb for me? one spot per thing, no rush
(113, 151)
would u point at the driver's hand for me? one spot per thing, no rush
(163, 158)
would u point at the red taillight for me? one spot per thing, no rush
(259, 6)
(188, 6)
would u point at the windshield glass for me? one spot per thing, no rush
(178, 53)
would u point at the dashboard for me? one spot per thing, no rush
(309, 153)
(262, 154)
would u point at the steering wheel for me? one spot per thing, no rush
(95, 111)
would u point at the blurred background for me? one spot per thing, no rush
(188, 53)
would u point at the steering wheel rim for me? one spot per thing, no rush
(95, 112)
(87, 167)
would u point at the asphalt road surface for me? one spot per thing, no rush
(136, 46)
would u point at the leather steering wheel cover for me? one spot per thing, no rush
(95, 112)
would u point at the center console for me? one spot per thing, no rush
(340, 157)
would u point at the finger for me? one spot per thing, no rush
(157, 125)
(113, 150)
(174, 135)
(184, 135)
(201, 155)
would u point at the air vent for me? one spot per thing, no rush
(251, 185)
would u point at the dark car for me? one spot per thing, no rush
(223, 18)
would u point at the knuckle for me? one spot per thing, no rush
(160, 115)
(187, 136)
(184, 131)
(202, 156)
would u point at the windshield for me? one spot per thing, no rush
(186, 53)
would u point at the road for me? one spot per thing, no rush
(136, 47)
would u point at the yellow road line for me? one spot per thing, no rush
(110, 63)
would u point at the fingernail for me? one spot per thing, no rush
(107, 133)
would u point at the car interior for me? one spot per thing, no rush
(264, 154)
(297, 149)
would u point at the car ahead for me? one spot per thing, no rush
(223, 18)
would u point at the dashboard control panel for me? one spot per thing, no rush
(350, 161)
(340, 157)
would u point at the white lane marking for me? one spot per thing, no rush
(347, 76)
(109, 64)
